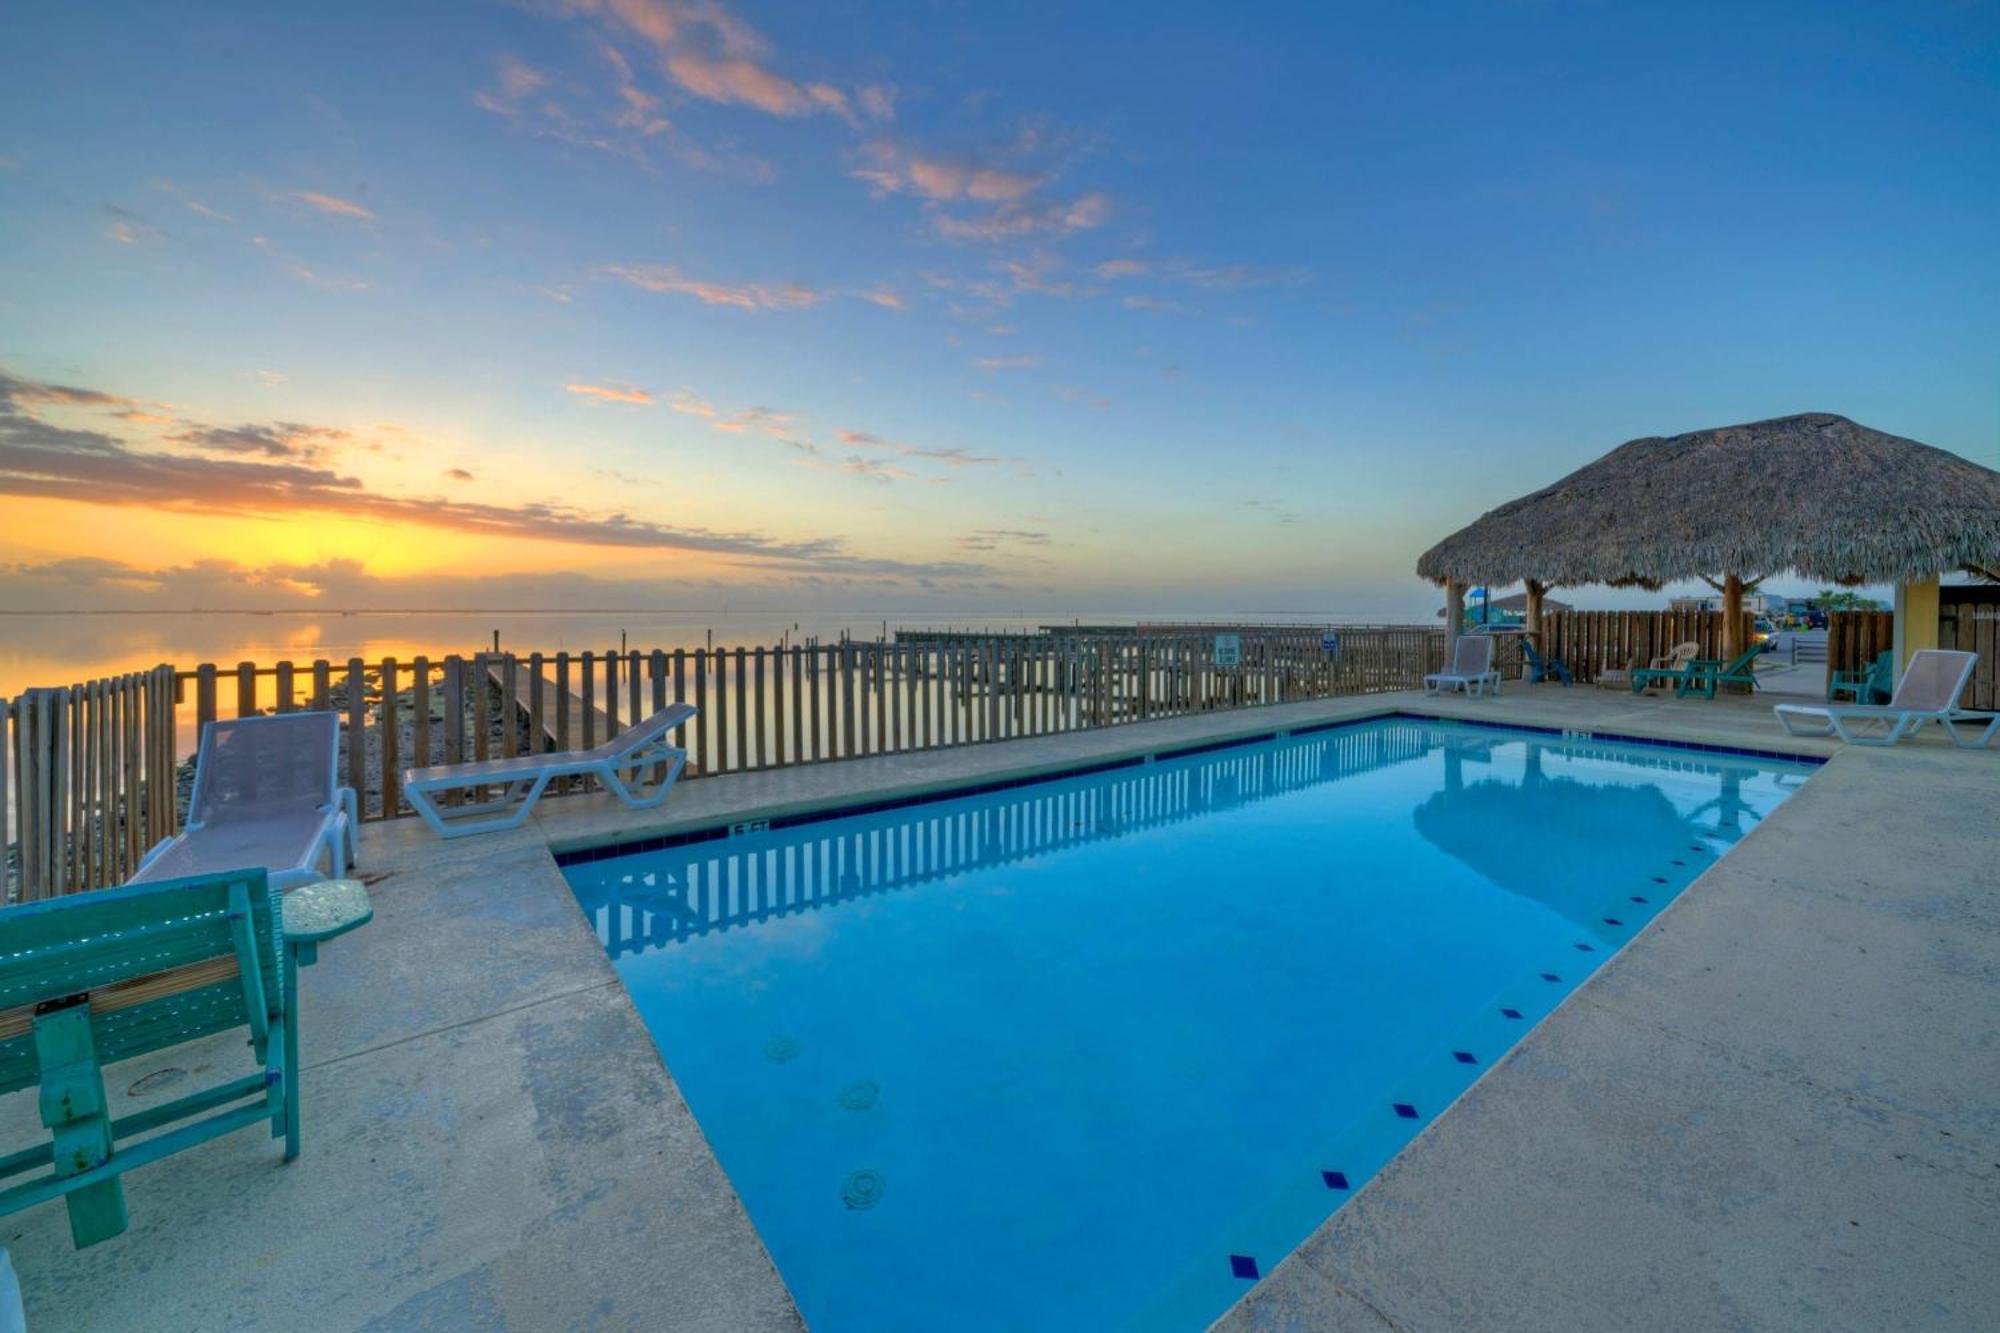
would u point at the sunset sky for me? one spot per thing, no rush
(942, 305)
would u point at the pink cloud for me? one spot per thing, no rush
(893, 169)
(886, 297)
(667, 278)
(610, 394)
(332, 204)
(741, 82)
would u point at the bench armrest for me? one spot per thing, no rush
(321, 911)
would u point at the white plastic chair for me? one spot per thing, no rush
(617, 764)
(266, 794)
(1928, 691)
(1471, 668)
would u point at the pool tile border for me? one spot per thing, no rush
(634, 847)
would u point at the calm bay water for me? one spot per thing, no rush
(53, 649)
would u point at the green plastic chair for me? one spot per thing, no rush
(1705, 675)
(94, 978)
(1873, 685)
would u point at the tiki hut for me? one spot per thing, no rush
(1816, 494)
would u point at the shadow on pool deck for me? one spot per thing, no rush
(1746, 1120)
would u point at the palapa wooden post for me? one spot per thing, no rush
(1531, 614)
(1732, 617)
(1454, 614)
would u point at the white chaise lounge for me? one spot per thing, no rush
(1471, 667)
(266, 793)
(618, 764)
(1928, 691)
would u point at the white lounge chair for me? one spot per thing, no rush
(1471, 667)
(1929, 691)
(266, 793)
(521, 780)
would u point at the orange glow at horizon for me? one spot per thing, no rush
(37, 531)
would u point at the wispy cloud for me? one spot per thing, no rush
(1018, 221)
(868, 469)
(767, 420)
(878, 100)
(1121, 268)
(628, 123)
(332, 205)
(281, 439)
(892, 168)
(885, 296)
(954, 457)
(1070, 393)
(129, 228)
(610, 393)
(1276, 510)
(990, 364)
(1157, 304)
(192, 204)
(711, 54)
(1232, 277)
(990, 539)
(742, 296)
(305, 272)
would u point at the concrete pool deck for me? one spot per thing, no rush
(1776, 1108)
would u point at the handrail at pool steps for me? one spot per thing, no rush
(93, 773)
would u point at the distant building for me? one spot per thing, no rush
(1507, 610)
(1757, 603)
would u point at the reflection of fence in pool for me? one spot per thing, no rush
(722, 883)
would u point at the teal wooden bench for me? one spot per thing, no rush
(1705, 675)
(95, 978)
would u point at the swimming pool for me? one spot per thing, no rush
(1099, 1051)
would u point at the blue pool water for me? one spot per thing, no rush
(1095, 1052)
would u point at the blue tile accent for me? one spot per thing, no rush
(1406, 1111)
(1637, 899)
(1510, 1013)
(1242, 1265)
(1613, 921)
(1659, 879)
(1335, 1180)
(1586, 948)
(1465, 1057)
(1550, 976)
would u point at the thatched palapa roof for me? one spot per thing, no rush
(1813, 493)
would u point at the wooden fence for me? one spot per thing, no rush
(1591, 642)
(86, 781)
(760, 708)
(1854, 639)
(1969, 619)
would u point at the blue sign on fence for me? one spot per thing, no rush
(1329, 642)
(1228, 650)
